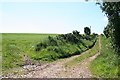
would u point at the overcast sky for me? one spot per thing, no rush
(23, 16)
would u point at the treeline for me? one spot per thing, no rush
(112, 30)
(63, 46)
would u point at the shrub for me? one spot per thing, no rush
(64, 45)
(87, 31)
(40, 46)
(52, 41)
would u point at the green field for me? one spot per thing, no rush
(22, 49)
(0, 54)
(15, 46)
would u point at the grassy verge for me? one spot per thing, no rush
(106, 64)
(86, 55)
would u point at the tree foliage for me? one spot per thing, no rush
(75, 32)
(71, 38)
(87, 31)
(108, 31)
(112, 11)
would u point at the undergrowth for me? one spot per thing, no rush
(106, 64)
(84, 55)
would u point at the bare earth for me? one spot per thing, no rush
(57, 69)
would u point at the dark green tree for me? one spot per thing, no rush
(106, 32)
(75, 32)
(112, 11)
(87, 31)
(52, 41)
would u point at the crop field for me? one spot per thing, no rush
(24, 49)
(15, 46)
(0, 54)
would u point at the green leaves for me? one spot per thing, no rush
(112, 10)
(64, 45)
(87, 31)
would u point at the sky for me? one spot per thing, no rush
(23, 16)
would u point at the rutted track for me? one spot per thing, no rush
(57, 69)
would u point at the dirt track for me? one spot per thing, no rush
(57, 69)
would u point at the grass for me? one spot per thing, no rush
(15, 46)
(0, 54)
(86, 55)
(105, 65)
(52, 53)
(63, 48)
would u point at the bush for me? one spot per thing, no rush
(40, 46)
(64, 45)
(52, 41)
